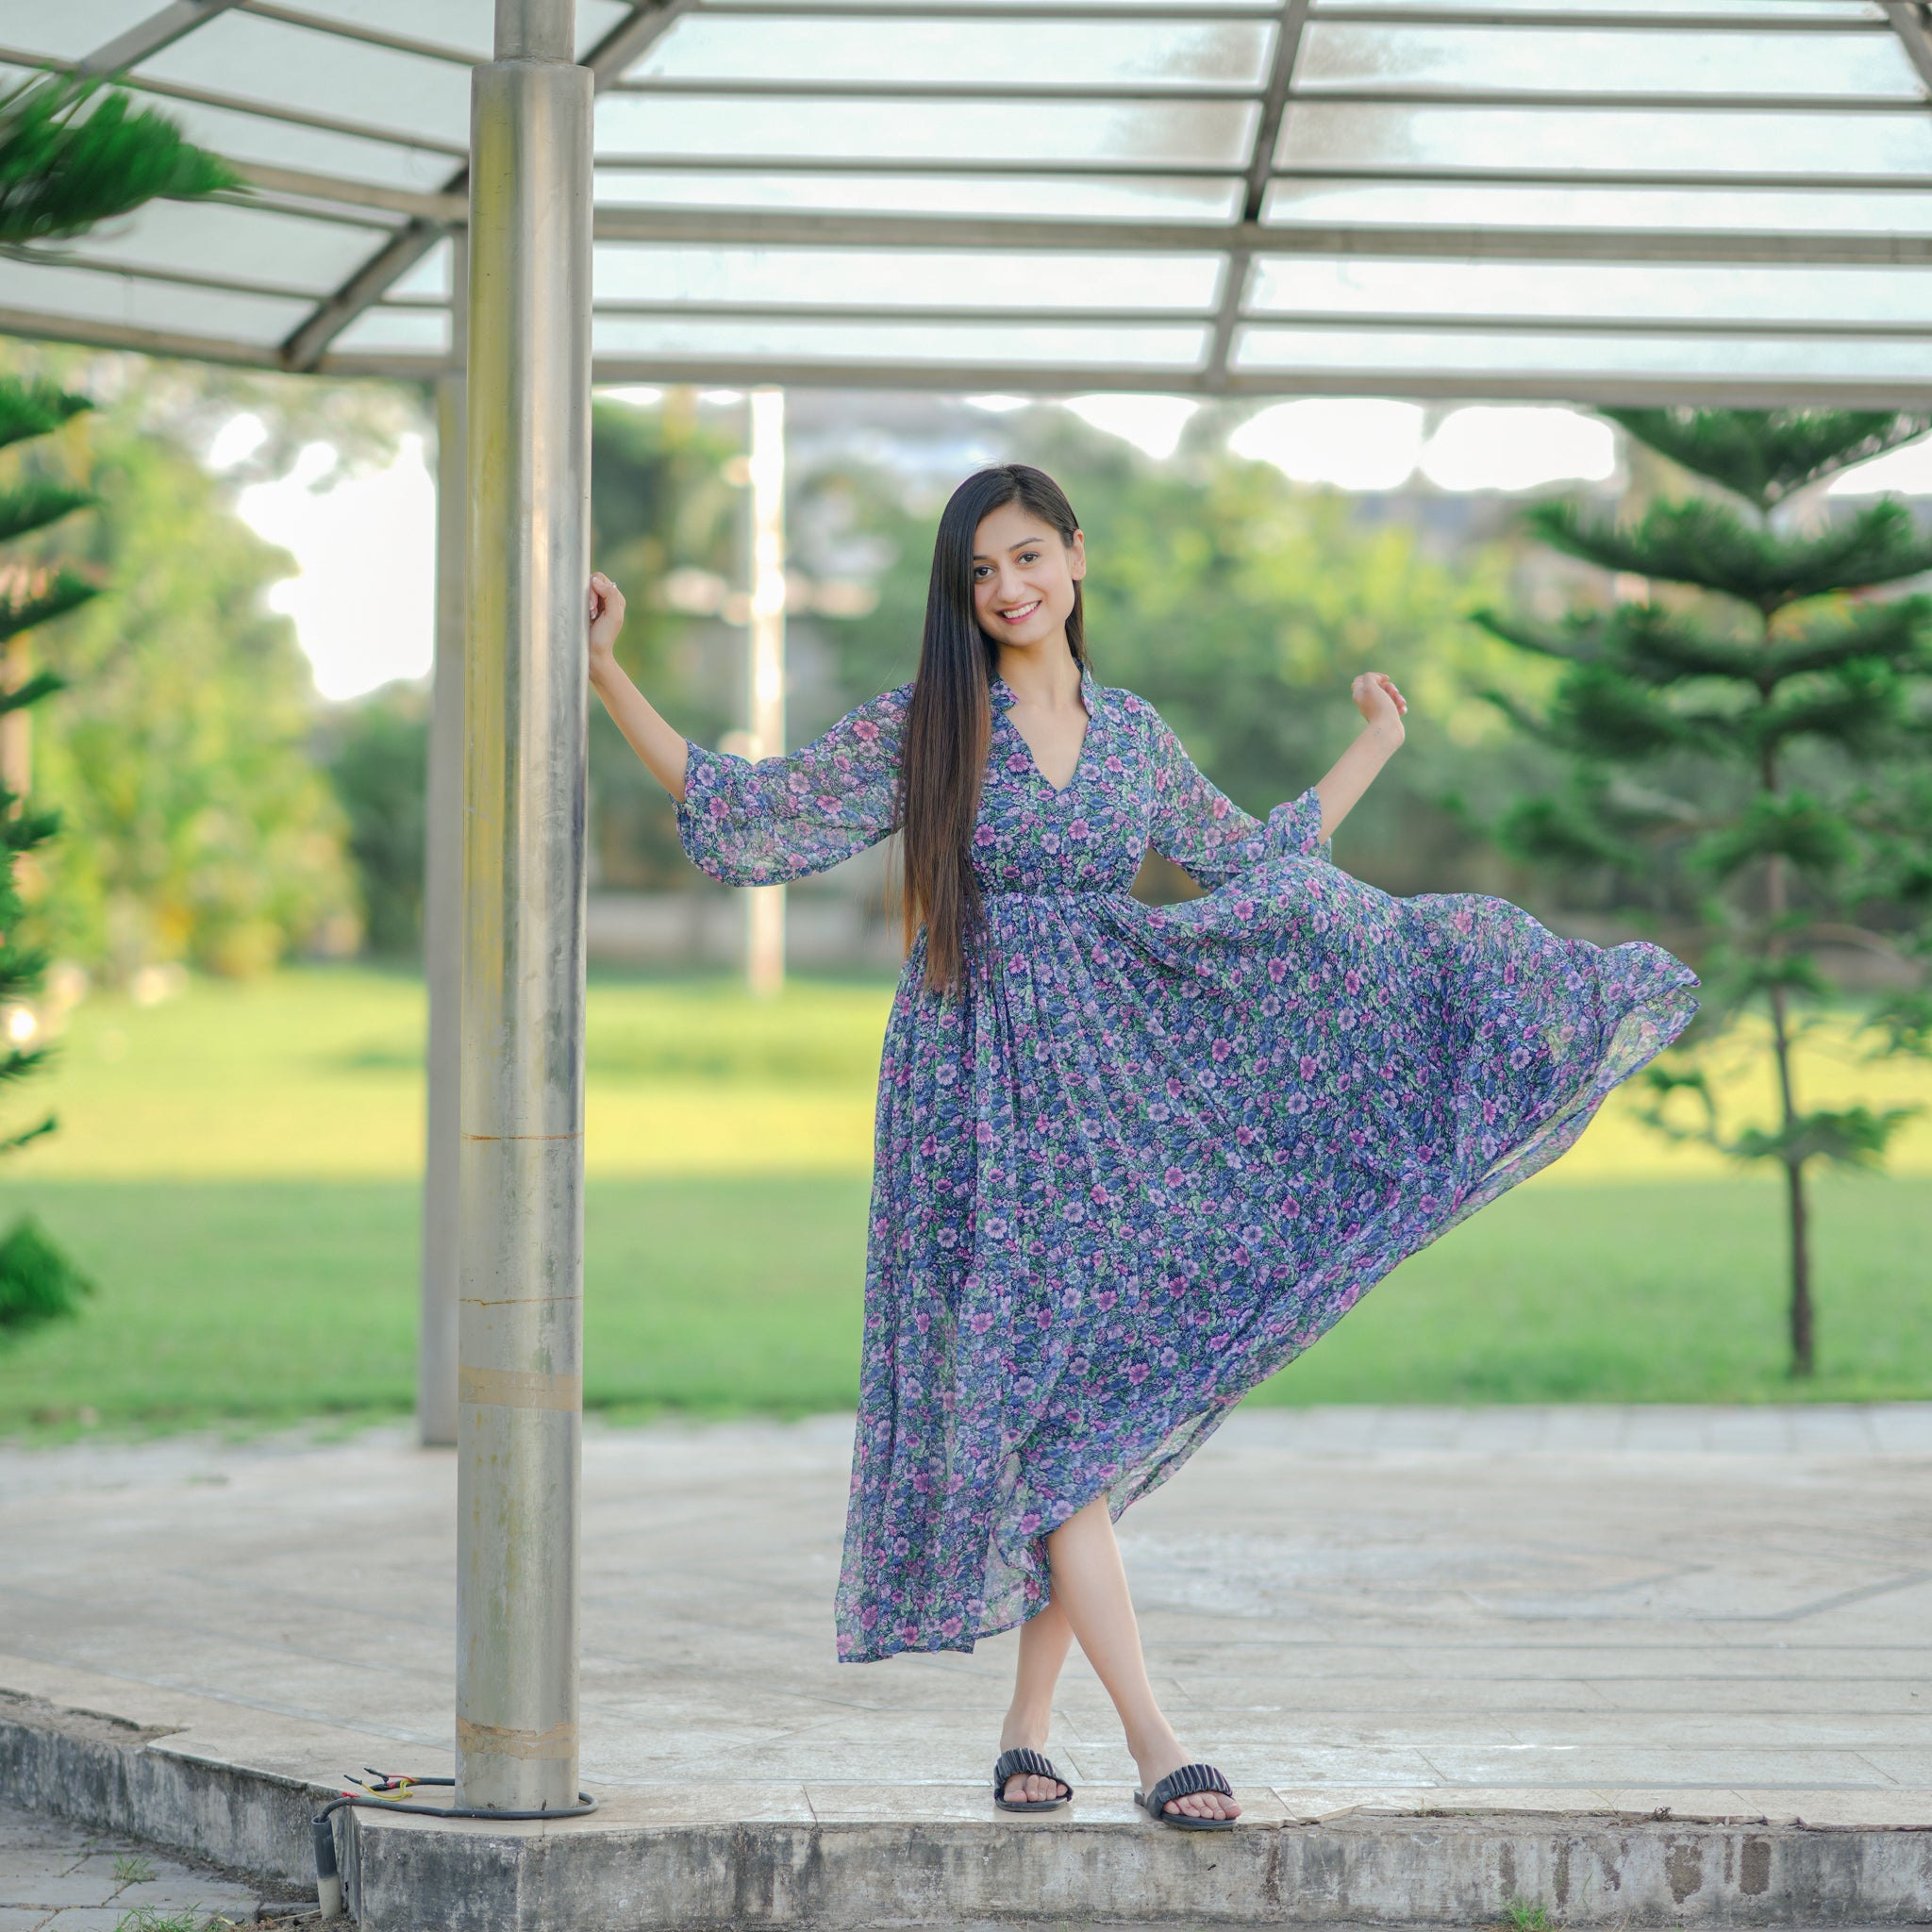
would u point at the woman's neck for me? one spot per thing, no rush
(1045, 675)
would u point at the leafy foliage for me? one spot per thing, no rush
(37, 1283)
(379, 765)
(1751, 729)
(663, 519)
(1765, 456)
(200, 828)
(74, 154)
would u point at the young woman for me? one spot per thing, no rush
(1129, 1160)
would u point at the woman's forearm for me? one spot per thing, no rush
(662, 750)
(1351, 774)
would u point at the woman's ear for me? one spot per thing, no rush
(1076, 556)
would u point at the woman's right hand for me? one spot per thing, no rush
(607, 620)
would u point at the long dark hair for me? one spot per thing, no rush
(949, 721)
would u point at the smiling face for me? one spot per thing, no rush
(1023, 578)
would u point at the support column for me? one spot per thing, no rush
(764, 951)
(443, 896)
(519, 1386)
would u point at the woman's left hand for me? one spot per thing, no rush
(1378, 701)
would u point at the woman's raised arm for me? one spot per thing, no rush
(759, 822)
(662, 750)
(1382, 708)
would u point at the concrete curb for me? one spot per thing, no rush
(104, 1771)
(1364, 1871)
(613, 1872)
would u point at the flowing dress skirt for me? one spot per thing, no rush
(1151, 1155)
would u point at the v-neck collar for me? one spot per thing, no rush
(1003, 694)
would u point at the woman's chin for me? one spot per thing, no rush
(1029, 637)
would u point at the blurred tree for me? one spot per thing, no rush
(377, 755)
(71, 155)
(665, 523)
(74, 153)
(31, 594)
(1752, 727)
(202, 830)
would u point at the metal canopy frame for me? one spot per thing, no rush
(1250, 164)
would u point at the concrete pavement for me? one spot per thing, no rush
(1576, 1614)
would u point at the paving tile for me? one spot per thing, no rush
(54, 1889)
(1558, 1601)
(90, 1919)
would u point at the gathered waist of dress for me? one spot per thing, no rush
(1055, 893)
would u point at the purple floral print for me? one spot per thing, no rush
(1146, 1155)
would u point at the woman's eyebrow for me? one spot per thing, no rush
(1024, 544)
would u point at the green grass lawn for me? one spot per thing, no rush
(259, 1302)
(237, 1169)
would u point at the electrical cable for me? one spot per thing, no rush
(328, 1882)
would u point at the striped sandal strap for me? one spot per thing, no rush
(1023, 1761)
(1184, 1783)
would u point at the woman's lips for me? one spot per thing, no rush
(1020, 612)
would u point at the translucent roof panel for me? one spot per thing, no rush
(1624, 199)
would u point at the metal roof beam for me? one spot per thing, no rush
(790, 227)
(1421, 385)
(1771, 20)
(367, 285)
(1326, 12)
(305, 347)
(1633, 100)
(1729, 182)
(306, 185)
(235, 104)
(159, 30)
(1150, 94)
(355, 30)
(1234, 285)
(1906, 21)
(1561, 387)
(1156, 93)
(629, 41)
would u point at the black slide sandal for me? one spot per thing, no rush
(1023, 1759)
(1184, 1783)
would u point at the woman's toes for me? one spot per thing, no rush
(1029, 1788)
(1204, 1805)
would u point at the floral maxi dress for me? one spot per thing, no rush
(1147, 1155)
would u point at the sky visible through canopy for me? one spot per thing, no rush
(363, 603)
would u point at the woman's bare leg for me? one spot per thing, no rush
(1044, 1640)
(1090, 1589)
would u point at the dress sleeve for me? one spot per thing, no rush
(780, 818)
(1198, 826)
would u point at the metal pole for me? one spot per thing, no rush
(519, 1382)
(442, 899)
(765, 935)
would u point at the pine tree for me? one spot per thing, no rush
(1747, 740)
(71, 155)
(74, 154)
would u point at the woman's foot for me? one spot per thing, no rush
(1162, 1755)
(1027, 1788)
